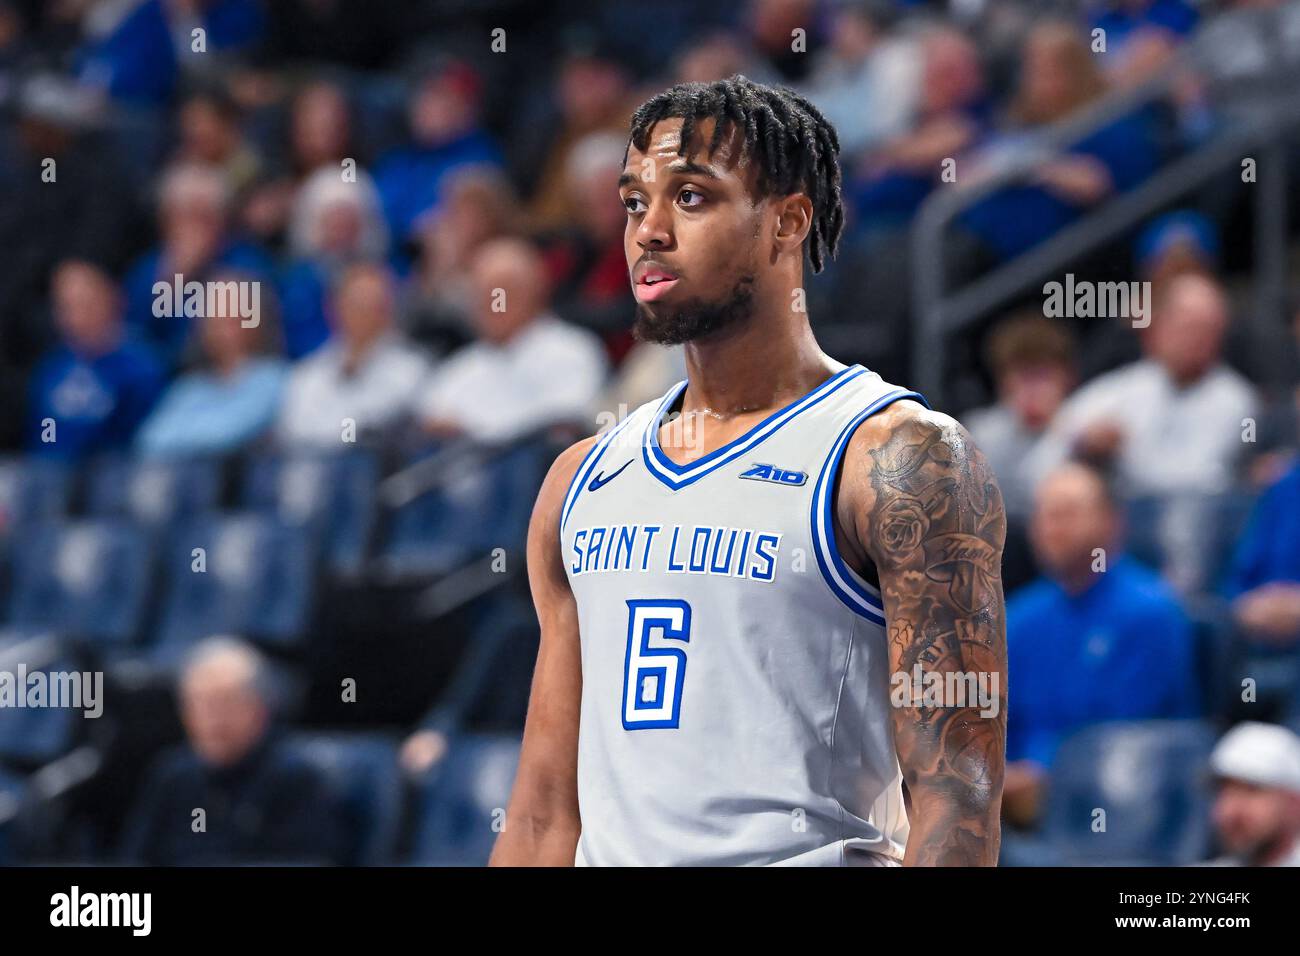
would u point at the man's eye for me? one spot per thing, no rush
(632, 203)
(695, 200)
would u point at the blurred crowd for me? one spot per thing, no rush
(420, 200)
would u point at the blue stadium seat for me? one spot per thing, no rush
(464, 799)
(32, 736)
(154, 492)
(1148, 777)
(88, 578)
(483, 505)
(12, 788)
(363, 768)
(31, 489)
(258, 580)
(334, 495)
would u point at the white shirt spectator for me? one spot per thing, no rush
(1176, 440)
(378, 393)
(548, 372)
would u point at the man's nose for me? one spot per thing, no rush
(655, 229)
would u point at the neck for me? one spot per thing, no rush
(766, 361)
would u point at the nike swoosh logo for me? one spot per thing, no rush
(600, 480)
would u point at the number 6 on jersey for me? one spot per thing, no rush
(654, 669)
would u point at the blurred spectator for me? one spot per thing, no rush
(93, 390)
(320, 134)
(592, 96)
(210, 135)
(1175, 243)
(537, 369)
(952, 116)
(1129, 23)
(480, 205)
(137, 52)
(716, 57)
(864, 81)
(446, 134)
(589, 263)
(1265, 578)
(221, 407)
(771, 25)
(1173, 421)
(261, 801)
(1098, 638)
(1170, 245)
(193, 219)
(1257, 809)
(84, 211)
(1032, 360)
(362, 382)
(1059, 77)
(335, 223)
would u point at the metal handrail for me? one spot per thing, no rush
(939, 313)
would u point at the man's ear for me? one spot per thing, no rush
(793, 221)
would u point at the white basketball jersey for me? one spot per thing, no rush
(735, 674)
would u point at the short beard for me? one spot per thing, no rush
(695, 319)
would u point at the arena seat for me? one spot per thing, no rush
(33, 736)
(154, 492)
(88, 578)
(12, 788)
(364, 770)
(257, 580)
(484, 504)
(1148, 778)
(463, 798)
(31, 489)
(334, 495)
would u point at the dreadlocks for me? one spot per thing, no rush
(796, 149)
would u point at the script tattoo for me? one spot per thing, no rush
(937, 529)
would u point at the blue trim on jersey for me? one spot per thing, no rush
(677, 476)
(585, 468)
(849, 586)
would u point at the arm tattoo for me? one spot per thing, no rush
(936, 534)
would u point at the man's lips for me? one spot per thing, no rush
(653, 282)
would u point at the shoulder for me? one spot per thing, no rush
(1231, 385)
(1146, 594)
(1036, 597)
(913, 474)
(172, 768)
(906, 435)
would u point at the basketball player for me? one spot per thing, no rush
(729, 580)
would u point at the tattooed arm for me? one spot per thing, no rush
(919, 501)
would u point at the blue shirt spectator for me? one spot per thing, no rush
(1018, 217)
(92, 391)
(1269, 550)
(1264, 582)
(137, 59)
(208, 413)
(1122, 20)
(444, 118)
(1059, 78)
(1120, 650)
(193, 219)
